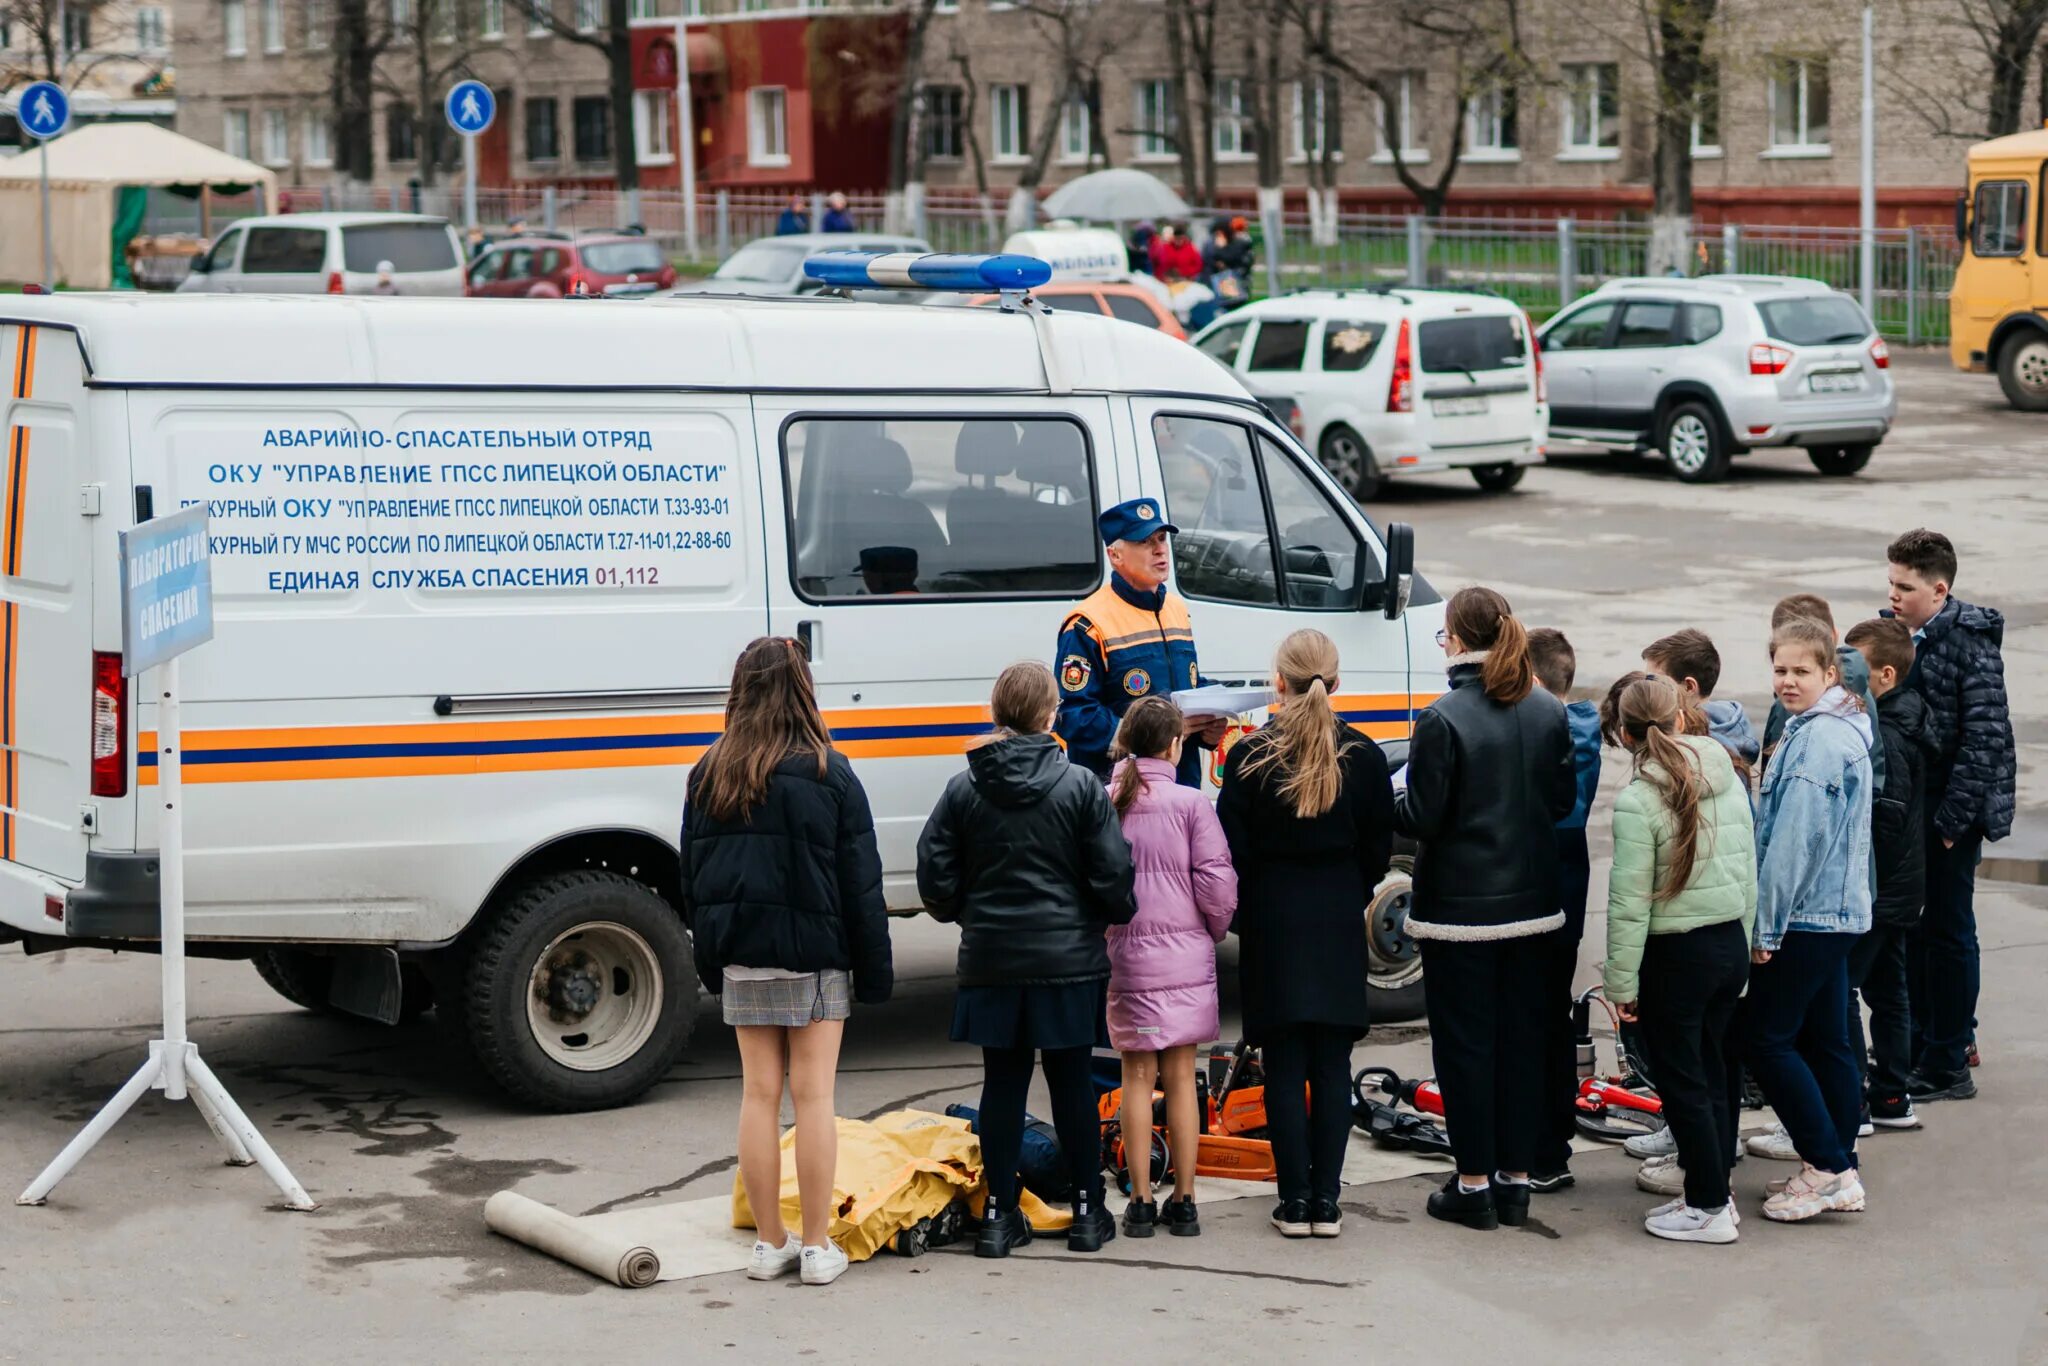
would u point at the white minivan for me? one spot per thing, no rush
(480, 575)
(1395, 381)
(331, 253)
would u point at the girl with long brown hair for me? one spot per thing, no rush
(1680, 903)
(1308, 809)
(782, 885)
(1490, 773)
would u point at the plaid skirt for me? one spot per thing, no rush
(789, 1002)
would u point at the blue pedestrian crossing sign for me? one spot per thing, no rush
(471, 107)
(43, 110)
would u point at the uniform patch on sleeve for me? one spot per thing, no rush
(1074, 673)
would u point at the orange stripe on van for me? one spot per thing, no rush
(12, 535)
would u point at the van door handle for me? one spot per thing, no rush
(811, 635)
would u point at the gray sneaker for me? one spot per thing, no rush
(1661, 1176)
(1656, 1143)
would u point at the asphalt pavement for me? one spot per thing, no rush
(154, 1250)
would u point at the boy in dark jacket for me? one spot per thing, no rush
(1877, 965)
(1960, 674)
(1556, 666)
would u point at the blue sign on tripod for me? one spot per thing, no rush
(166, 589)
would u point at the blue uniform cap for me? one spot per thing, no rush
(1137, 520)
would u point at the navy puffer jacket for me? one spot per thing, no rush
(1962, 675)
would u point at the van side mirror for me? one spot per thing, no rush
(1400, 569)
(1962, 216)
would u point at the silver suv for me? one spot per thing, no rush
(1710, 368)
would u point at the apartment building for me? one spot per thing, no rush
(114, 56)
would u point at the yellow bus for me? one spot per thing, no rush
(1998, 308)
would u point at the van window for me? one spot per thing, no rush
(1646, 322)
(285, 251)
(624, 258)
(488, 268)
(767, 263)
(1349, 345)
(222, 257)
(1222, 343)
(1279, 346)
(1216, 492)
(940, 507)
(1489, 342)
(1585, 330)
(1700, 322)
(1998, 224)
(1816, 320)
(409, 247)
(1131, 309)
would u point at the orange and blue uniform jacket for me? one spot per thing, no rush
(1119, 645)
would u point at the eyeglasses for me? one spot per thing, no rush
(1443, 637)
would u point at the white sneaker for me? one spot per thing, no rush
(1815, 1192)
(1688, 1225)
(1656, 1143)
(769, 1261)
(1865, 1129)
(1734, 1211)
(1775, 1144)
(824, 1265)
(1661, 1176)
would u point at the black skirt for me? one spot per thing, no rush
(1065, 1016)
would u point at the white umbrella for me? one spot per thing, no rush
(1118, 195)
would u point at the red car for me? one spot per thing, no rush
(554, 267)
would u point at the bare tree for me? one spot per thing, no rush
(1079, 36)
(438, 41)
(610, 33)
(905, 154)
(40, 51)
(1677, 32)
(362, 35)
(1960, 66)
(963, 63)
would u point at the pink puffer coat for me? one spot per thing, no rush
(1162, 966)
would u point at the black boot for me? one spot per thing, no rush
(1473, 1209)
(1181, 1219)
(1093, 1225)
(1001, 1231)
(1511, 1202)
(1141, 1218)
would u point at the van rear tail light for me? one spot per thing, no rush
(1881, 354)
(1536, 358)
(1765, 359)
(334, 282)
(1296, 425)
(109, 726)
(1401, 390)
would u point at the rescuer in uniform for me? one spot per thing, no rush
(1130, 639)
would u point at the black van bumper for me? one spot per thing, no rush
(121, 898)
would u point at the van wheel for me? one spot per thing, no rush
(1393, 962)
(1839, 462)
(581, 991)
(1497, 478)
(2023, 372)
(1349, 460)
(1690, 437)
(297, 975)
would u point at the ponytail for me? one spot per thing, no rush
(1653, 714)
(1483, 621)
(1305, 745)
(1148, 731)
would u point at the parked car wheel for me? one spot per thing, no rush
(1497, 478)
(2023, 372)
(581, 991)
(1690, 437)
(1393, 962)
(1839, 462)
(300, 977)
(1346, 456)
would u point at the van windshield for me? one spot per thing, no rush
(1494, 342)
(624, 258)
(1818, 320)
(407, 246)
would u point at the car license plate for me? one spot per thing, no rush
(1835, 381)
(1457, 407)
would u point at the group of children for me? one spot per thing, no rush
(1756, 885)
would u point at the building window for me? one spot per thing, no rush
(445, 20)
(235, 26)
(1592, 111)
(543, 138)
(945, 133)
(235, 133)
(1157, 124)
(318, 33)
(318, 140)
(77, 28)
(946, 7)
(149, 29)
(273, 25)
(589, 15)
(6, 33)
(1706, 113)
(1077, 141)
(593, 117)
(400, 134)
(1235, 138)
(1316, 121)
(1799, 104)
(537, 15)
(768, 126)
(651, 142)
(644, 9)
(1396, 118)
(1009, 121)
(1491, 129)
(277, 138)
(491, 21)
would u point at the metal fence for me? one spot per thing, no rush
(1542, 264)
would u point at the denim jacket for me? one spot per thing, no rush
(1813, 825)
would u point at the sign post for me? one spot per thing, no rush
(43, 112)
(167, 609)
(686, 134)
(470, 107)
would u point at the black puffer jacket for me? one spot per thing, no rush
(1026, 853)
(1962, 675)
(1487, 785)
(1898, 813)
(797, 885)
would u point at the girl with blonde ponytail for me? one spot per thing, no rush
(1680, 903)
(1307, 809)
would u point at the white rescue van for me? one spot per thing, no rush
(480, 576)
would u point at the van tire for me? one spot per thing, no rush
(1703, 453)
(1345, 455)
(1497, 478)
(1839, 462)
(297, 975)
(1393, 965)
(2023, 371)
(598, 920)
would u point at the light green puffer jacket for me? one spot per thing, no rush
(1723, 884)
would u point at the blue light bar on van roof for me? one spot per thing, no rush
(970, 274)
